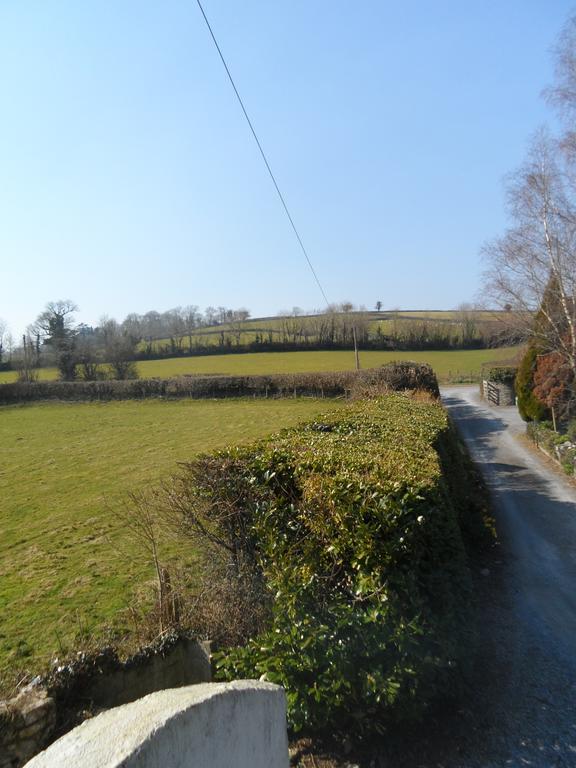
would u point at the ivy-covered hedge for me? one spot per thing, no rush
(357, 525)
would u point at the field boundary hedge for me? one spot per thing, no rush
(356, 528)
(394, 376)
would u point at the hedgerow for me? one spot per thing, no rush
(395, 376)
(355, 524)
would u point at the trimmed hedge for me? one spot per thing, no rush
(401, 375)
(501, 374)
(357, 525)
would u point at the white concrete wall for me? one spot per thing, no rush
(209, 725)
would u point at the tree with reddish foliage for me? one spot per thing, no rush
(554, 385)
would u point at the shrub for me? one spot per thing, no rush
(504, 374)
(530, 408)
(354, 525)
(393, 376)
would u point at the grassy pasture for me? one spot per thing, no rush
(448, 365)
(45, 374)
(389, 322)
(65, 470)
(453, 315)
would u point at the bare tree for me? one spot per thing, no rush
(562, 94)
(191, 319)
(3, 338)
(146, 528)
(133, 324)
(210, 315)
(119, 349)
(536, 257)
(89, 356)
(292, 325)
(152, 324)
(467, 320)
(237, 322)
(9, 345)
(56, 319)
(26, 360)
(55, 327)
(175, 323)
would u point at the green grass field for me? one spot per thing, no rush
(45, 374)
(389, 322)
(65, 471)
(448, 365)
(453, 315)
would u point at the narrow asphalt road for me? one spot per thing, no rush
(521, 707)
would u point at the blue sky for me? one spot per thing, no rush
(129, 180)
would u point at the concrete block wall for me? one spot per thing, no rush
(221, 725)
(186, 663)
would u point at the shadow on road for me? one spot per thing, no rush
(519, 707)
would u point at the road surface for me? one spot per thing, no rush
(521, 706)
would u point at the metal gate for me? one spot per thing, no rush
(492, 393)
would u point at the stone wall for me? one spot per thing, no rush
(26, 724)
(498, 393)
(52, 705)
(221, 725)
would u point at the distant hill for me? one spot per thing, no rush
(417, 329)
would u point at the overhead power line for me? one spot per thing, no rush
(267, 164)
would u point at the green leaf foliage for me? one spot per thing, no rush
(502, 374)
(530, 408)
(358, 522)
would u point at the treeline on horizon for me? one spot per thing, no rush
(79, 350)
(182, 332)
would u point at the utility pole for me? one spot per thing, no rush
(356, 356)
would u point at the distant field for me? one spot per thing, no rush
(270, 328)
(64, 471)
(46, 374)
(453, 315)
(447, 365)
